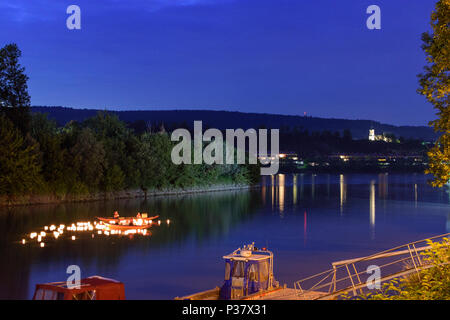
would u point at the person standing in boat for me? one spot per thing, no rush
(138, 220)
(116, 215)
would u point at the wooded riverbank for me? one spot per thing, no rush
(125, 194)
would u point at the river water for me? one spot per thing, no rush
(307, 220)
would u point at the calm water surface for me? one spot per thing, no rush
(307, 220)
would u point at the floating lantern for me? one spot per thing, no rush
(42, 244)
(23, 241)
(73, 237)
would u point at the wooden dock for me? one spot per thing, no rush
(287, 294)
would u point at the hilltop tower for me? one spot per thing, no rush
(372, 134)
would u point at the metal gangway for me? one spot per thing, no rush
(351, 275)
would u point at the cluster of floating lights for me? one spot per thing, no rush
(101, 228)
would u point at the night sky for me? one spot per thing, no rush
(274, 56)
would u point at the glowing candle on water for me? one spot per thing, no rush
(23, 241)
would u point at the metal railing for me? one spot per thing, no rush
(352, 274)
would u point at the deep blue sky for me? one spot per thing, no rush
(275, 56)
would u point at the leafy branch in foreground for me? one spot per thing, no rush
(435, 86)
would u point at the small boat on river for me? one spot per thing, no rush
(144, 220)
(126, 227)
(248, 275)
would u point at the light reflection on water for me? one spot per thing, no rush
(307, 220)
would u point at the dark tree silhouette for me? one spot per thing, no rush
(14, 97)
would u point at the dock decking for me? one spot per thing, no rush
(288, 294)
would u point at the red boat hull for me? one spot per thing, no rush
(126, 220)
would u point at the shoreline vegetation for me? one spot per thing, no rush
(29, 200)
(99, 158)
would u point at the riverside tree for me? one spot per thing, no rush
(435, 86)
(19, 165)
(14, 97)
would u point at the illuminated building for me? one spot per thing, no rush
(379, 137)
